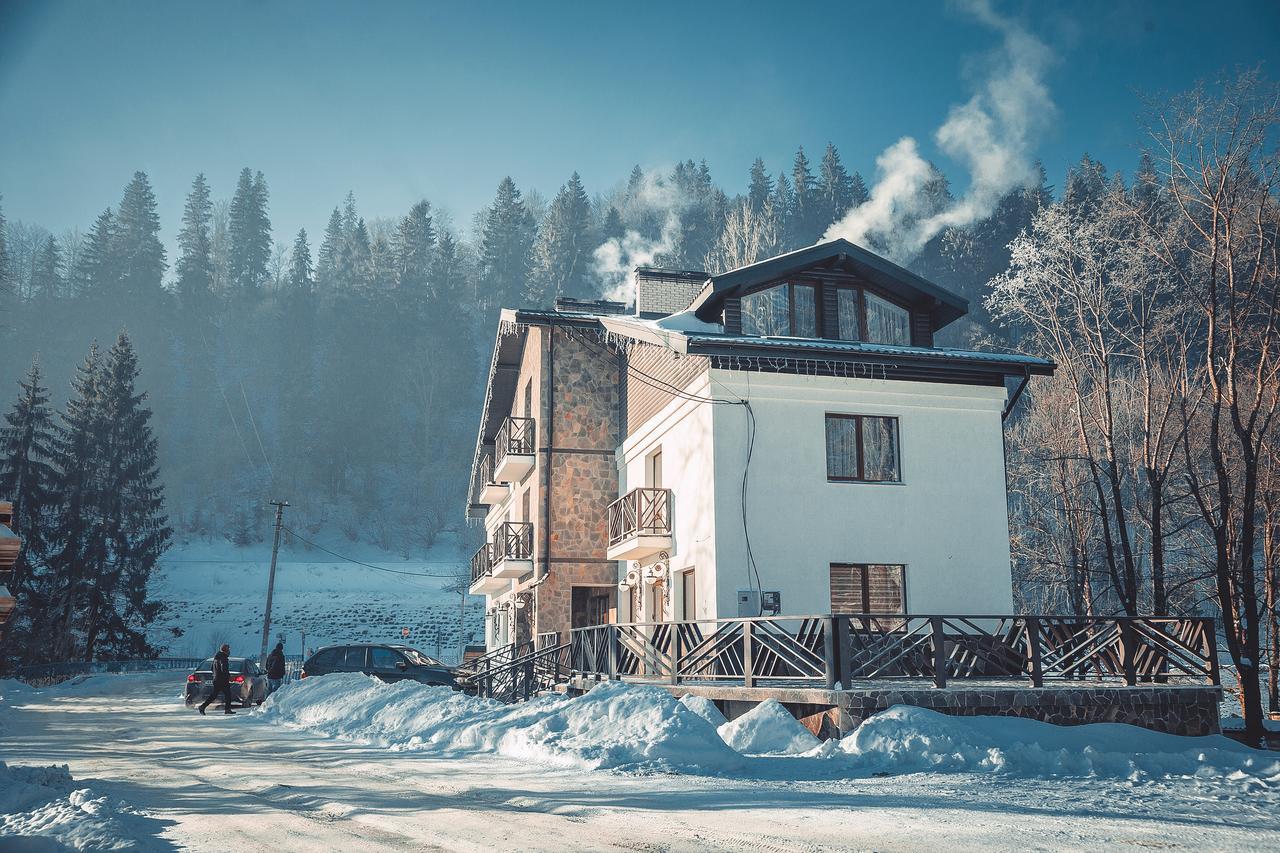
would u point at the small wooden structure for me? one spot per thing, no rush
(10, 544)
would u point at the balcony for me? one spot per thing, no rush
(514, 450)
(511, 550)
(640, 524)
(491, 492)
(482, 580)
(507, 557)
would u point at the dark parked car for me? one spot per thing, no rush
(248, 682)
(389, 663)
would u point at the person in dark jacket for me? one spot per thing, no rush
(275, 668)
(221, 680)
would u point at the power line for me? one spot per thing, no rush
(369, 565)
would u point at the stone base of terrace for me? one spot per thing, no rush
(1182, 709)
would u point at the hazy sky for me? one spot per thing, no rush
(400, 101)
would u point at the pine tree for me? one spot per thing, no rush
(635, 182)
(835, 189)
(195, 246)
(26, 472)
(139, 252)
(97, 271)
(355, 261)
(134, 530)
(802, 218)
(249, 235)
(46, 274)
(330, 248)
(783, 207)
(761, 186)
(6, 282)
(858, 193)
(415, 250)
(300, 272)
(562, 253)
(506, 241)
(613, 228)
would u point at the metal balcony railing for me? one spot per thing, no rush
(640, 512)
(484, 475)
(482, 562)
(515, 436)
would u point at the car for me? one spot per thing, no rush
(386, 662)
(248, 682)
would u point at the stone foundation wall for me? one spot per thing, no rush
(1176, 710)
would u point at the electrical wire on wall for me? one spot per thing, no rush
(753, 571)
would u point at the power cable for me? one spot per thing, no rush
(367, 565)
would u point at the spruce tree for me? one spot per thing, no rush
(134, 530)
(415, 248)
(97, 270)
(783, 208)
(6, 282)
(195, 245)
(139, 252)
(858, 193)
(761, 187)
(563, 251)
(802, 218)
(300, 272)
(46, 274)
(835, 189)
(26, 472)
(613, 228)
(330, 248)
(505, 245)
(249, 235)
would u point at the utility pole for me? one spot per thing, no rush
(271, 582)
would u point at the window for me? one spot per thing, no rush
(868, 588)
(354, 659)
(326, 659)
(848, 314)
(788, 310)
(380, 658)
(886, 323)
(862, 449)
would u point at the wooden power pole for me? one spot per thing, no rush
(271, 582)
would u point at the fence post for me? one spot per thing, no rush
(1032, 625)
(1128, 650)
(675, 653)
(1211, 641)
(829, 650)
(844, 649)
(747, 677)
(611, 638)
(939, 652)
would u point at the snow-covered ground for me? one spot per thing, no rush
(215, 593)
(343, 762)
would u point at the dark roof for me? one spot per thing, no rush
(947, 306)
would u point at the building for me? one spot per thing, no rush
(781, 438)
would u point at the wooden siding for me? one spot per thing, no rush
(643, 400)
(921, 329)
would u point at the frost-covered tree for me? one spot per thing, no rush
(562, 252)
(748, 236)
(760, 190)
(506, 241)
(46, 275)
(835, 189)
(300, 276)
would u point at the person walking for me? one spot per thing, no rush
(275, 668)
(221, 680)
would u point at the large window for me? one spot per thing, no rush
(788, 310)
(868, 588)
(863, 316)
(862, 449)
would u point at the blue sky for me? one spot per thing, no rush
(400, 101)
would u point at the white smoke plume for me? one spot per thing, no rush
(617, 258)
(992, 135)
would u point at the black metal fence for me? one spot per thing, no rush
(49, 673)
(842, 649)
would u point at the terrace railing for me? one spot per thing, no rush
(522, 677)
(640, 512)
(831, 650)
(482, 562)
(484, 474)
(516, 435)
(512, 540)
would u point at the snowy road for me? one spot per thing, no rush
(244, 782)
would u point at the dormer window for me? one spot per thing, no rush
(787, 310)
(863, 316)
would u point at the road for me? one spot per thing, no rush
(241, 782)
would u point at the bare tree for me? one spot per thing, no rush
(748, 236)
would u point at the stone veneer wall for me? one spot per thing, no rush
(1176, 710)
(588, 417)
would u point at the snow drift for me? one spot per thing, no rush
(768, 728)
(46, 803)
(614, 726)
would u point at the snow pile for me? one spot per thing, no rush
(905, 739)
(768, 728)
(704, 708)
(614, 726)
(45, 802)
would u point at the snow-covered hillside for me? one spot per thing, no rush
(215, 592)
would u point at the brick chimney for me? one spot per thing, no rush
(660, 293)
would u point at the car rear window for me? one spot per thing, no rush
(326, 659)
(355, 658)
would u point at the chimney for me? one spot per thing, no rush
(661, 293)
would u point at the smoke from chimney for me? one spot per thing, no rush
(991, 134)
